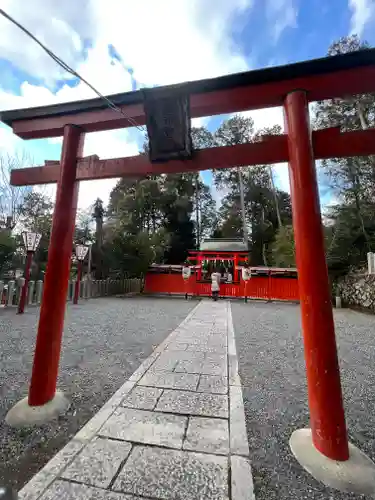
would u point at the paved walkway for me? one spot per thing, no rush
(174, 431)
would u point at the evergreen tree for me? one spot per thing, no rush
(351, 180)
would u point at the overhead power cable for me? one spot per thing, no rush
(70, 70)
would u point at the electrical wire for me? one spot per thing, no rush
(70, 70)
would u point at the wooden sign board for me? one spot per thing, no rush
(168, 125)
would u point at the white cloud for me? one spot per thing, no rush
(60, 25)
(107, 144)
(8, 141)
(363, 12)
(267, 117)
(169, 41)
(163, 42)
(281, 14)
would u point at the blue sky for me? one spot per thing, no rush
(154, 42)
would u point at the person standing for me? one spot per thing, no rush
(186, 273)
(215, 284)
(246, 275)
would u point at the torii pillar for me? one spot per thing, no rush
(43, 401)
(323, 450)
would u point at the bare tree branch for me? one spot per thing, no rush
(11, 197)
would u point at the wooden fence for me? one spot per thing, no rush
(268, 287)
(10, 293)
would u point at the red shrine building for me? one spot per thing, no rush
(227, 256)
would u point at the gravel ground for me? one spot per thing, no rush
(105, 340)
(272, 371)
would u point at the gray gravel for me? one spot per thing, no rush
(104, 342)
(271, 365)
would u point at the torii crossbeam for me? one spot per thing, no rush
(322, 449)
(327, 143)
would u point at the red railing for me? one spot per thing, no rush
(258, 287)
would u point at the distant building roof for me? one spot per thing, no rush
(223, 245)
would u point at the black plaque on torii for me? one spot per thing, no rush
(168, 124)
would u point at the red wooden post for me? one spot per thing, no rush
(78, 282)
(22, 302)
(322, 368)
(235, 270)
(51, 322)
(199, 277)
(268, 285)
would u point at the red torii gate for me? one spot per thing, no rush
(323, 449)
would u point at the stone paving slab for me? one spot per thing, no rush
(64, 490)
(98, 462)
(213, 384)
(142, 426)
(171, 380)
(189, 403)
(176, 346)
(210, 435)
(207, 348)
(174, 475)
(142, 398)
(203, 367)
(175, 430)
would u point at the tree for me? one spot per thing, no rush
(204, 205)
(131, 254)
(275, 130)
(236, 130)
(230, 225)
(7, 250)
(84, 227)
(351, 180)
(97, 250)
(346, 243)
(177, 208)
(35, 214)
(12, 197)
(283, 248)
(252, 196)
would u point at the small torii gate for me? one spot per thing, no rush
(323, 450)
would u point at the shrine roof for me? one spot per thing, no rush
(223, 245)
(305, 69)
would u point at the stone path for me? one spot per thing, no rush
(174, 431)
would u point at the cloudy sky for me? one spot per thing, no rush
(120, 45)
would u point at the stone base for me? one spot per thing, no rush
(24, 415)
(356, 475)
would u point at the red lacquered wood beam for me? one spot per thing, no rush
(90, 121)
(327, 143)
(318, 87)
(273, 150)
(331, 143)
